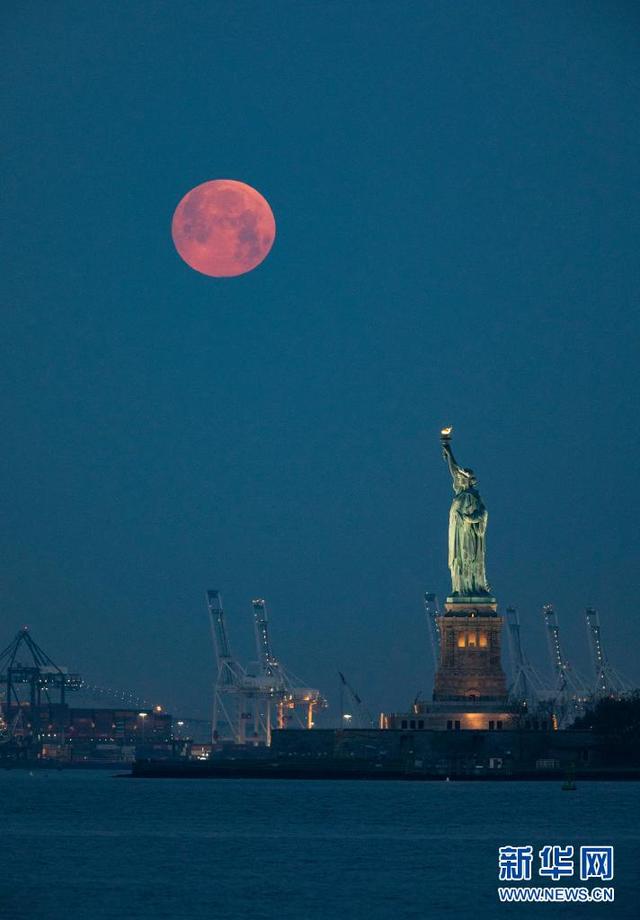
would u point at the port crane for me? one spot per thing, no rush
(235, 693)
(31, 679)
(243, 702)
(363, 719)
(608, 682)
(285, 688)
(526, 685)
(570, 691)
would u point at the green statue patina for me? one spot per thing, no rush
(467, 528)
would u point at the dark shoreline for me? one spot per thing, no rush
(270, 770)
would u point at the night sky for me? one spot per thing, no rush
(456, 191)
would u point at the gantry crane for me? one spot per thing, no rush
(235, 694)
(242, 700)
(228, 676)
(282, 687)
(31, 680)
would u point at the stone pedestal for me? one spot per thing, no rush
(470, 692)
(470, 668)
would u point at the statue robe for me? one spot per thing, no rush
(467, 527)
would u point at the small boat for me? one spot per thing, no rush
(569, 784)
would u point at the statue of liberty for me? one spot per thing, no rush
(467, 528)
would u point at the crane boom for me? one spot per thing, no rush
(229, 671)
(595, 644)
(432, 611)
(558, 662)
(268, 661)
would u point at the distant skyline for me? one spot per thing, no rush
(456, 190)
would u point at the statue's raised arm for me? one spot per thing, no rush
(447, 453)
(459, 475)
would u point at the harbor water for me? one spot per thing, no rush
(87, 845)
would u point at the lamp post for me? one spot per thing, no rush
(143, 716)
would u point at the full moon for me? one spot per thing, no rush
(223, 228)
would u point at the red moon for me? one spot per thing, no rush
(223, 228)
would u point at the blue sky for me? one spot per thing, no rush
(455, 188)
